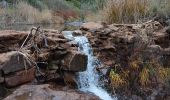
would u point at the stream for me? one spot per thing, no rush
(89, 79)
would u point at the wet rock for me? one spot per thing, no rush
(14, 61)
(75, 61)
(77, 33)
(92, 26)
(68, 35)
(20, 77)
(43, 92)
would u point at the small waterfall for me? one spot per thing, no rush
(89, 79)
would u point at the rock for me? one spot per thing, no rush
(162, 39)
(166, 51)
(70, 79)
(92, 26)
(166, 57)
(50, 31)
(14, 61)
(3, 91)
(11, 40)
(75, 61)
(43, 92)
(113, 27)
(52, 75)
(68, 35)
(1, 79)
(59, 54)
(77, 33)
(168, 30)
(135, 97)
(20, 77)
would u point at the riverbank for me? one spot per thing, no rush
(134, 62)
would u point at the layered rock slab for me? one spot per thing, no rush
(44, 92)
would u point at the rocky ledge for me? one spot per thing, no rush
(39, 57)
(135, 62)
(136, 58)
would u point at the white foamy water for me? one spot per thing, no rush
(89, 80)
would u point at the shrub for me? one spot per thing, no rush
(132, 11)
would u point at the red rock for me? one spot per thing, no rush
(20, 77)
(13, 61)
(44, 92)
(70, 79)
(91, 26)
(10, 40)
(75, 61)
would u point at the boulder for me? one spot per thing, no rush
(70, 79)
(52, 75)
(92, 26)
(14, 61)
(20, 77)
(77, 33)
(43, 92)
(75, 61)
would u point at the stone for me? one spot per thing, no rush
(70, 80)
(77, 33)
(168, 30)
(3, 91)
(68, 35)
(11, 40)
(166, 57)
(20, 77)
(92, 26)
(14, 61)
(166, 51)
(113, 27)
(52, 75)
(75, 61)
(162, 39)
(1, 79)
(44, 92)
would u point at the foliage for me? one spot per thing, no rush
(134, 11)
(116, 80)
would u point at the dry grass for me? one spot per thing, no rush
(116, 80)
(26, 12)
(144, 77)
(133, 11)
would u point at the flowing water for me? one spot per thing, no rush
(89, 80)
